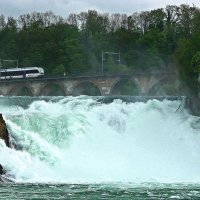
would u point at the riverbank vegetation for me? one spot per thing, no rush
(164, 39)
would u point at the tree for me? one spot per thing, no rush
(195, 63)
(2, 22)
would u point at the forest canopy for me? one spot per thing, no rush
(163, 39)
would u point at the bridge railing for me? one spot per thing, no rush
(90, 75)
(120, 74)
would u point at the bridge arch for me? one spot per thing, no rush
(125, 87)
(165, 87)
(86, 88)
(21, 90)
(52, 89)
(1, 93)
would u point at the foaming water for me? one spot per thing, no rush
(82, 140)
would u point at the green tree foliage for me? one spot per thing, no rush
(158, 40)
(196, 62)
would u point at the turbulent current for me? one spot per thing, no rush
(85, 140)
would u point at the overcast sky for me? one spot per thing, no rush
(65, 7)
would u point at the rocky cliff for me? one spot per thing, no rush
(4, 136)
(3, 131)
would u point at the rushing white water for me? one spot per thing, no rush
(78, 139)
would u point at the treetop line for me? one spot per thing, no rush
(160, 39)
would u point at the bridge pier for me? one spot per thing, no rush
(145, 83)
(105, 86)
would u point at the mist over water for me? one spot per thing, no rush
(81, 140)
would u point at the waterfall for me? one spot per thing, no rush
(91, 140)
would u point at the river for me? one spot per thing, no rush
(84, 148)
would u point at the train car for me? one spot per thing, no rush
(27, 72)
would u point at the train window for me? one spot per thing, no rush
(12, 73)
(16, 73)
(3, 74)
(31, 71)
(20, 73)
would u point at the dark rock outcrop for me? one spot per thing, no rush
(1, 170)
(1, 173)
(4, 136)
(4, 176)
(3, 131)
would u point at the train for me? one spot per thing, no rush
(26, 72)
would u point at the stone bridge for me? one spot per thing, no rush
(133, 84)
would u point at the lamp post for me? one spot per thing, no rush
(0, 68)
(102, 58)
(102, 61)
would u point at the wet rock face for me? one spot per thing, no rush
(1, 169)
(4, 176)
(1, 173)
(3, 131)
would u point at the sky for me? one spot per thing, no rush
(65, 7)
